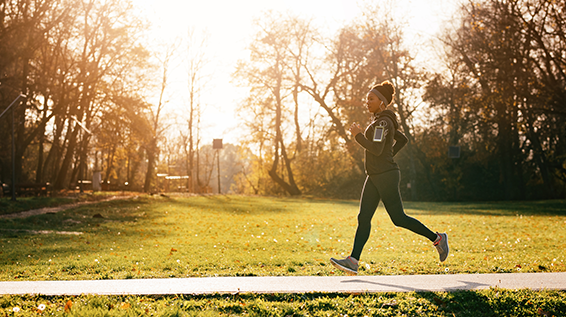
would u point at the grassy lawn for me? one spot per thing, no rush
(27, 203)
(155, 237)
(485, 303)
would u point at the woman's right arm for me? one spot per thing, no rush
(376, 147)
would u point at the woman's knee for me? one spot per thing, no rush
(401, 220)
(364, 220)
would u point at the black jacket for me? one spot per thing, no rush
(379, 154)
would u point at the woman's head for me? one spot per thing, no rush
(380, 96)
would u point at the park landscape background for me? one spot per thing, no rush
(494, 89)
(103, 95)
(160, 236)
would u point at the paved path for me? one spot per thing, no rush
(291, 284)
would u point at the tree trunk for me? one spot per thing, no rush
(290, 187)
(65, 166)
(541, 161)
(150, 151)
(52, 161)
(39, 170)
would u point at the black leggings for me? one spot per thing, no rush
(384, 187)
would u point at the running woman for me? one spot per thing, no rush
(381, 142)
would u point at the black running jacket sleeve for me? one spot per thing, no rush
(376, 148)
(400, 141)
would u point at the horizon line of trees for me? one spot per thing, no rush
(88, 74)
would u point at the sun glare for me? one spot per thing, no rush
(230, 28)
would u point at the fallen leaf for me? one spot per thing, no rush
(439, 302)
(68, 305)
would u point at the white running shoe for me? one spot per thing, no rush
(441, 245)
(348, 265)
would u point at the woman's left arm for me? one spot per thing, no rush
(400, 141)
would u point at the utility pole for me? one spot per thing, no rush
(13, 146)
(217, 145)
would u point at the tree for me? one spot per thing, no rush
(75, 59)
(268, 73)
(196, 60)
(151, 147)
(509, 50)
(24, 29)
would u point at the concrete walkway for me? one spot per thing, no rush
(291, 284)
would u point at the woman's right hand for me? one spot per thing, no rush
(355, 129)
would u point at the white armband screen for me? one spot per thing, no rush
(378, 134)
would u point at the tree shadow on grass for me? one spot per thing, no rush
(466, 285)
(69, 236)
(103, 220)
(81, 218)
(511, 208)
(258, 205)
(235, 204)
(462, 303)
(499, 302)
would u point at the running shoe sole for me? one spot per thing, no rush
(343, 268)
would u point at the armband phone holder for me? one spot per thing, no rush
(378, 134)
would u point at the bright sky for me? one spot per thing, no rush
(230, 25)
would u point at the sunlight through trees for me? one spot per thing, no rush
(100, 92)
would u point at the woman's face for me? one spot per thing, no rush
(373, 103)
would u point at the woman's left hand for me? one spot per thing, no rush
(355, 129)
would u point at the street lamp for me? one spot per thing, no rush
(13, 146)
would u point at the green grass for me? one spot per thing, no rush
(493, 302)
(156, 237)
(28, 203)
(7, 206)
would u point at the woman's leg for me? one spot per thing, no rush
(368, 204)
(388, 186)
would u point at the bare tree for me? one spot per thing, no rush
(152, 146)
(269, 73)
(196, 59)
